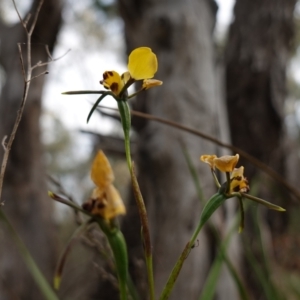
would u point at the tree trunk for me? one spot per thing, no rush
(25, 193)
(258, 50)
(180, 33)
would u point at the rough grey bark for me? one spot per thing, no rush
(257, 53)
(25, 192)
(180, 33)
(258, 50)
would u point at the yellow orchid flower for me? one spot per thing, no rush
(224, 163)
(227, 164)
(142, 65)
(237, 184)
(105, 200)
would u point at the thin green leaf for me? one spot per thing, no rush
(95, 105)
(263, 202)
(232, 270)
(242, 219)
(210, 207)
(265, 264)
(37, 275)
(132, 289)
(262, 278)
(83, 92)
(209, 288)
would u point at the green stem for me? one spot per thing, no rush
(210, 207)
(126, 123)
(118, 245)
(37, 275)
(215, 179)
(116, 241)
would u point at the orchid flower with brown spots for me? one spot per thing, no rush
(142, 65)
(236, 184)
(105, 200)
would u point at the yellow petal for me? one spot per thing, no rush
(238, 183)
(208, 159)
(226, 163)
(101, 172)
(105, 203)
(142, 63)
(149, 83)
(112, 81)
(115, 205)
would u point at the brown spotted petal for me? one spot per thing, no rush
(238, 183)
(112, 81)
(105, 203)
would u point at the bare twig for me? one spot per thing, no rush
(24, 23)
(62, 191)
(27, 75)
(3, 142)
(207, 137)
(22, 61)
(35, 16)
(41, 64)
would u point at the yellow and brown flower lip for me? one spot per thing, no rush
(238, 183)
(112, 81)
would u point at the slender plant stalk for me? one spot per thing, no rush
(145, 232)
(116, 241)
(231, 268)
(126, 123)
(212, 204)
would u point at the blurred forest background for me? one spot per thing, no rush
(238, 84)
